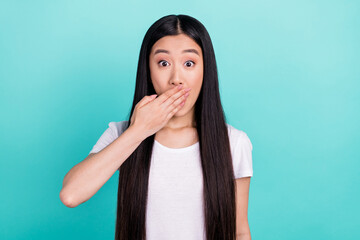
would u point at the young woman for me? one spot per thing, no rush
(184, 173)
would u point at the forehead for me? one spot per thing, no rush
(175, 45)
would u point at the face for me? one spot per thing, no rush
(176, 60)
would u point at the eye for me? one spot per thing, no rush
(189, 62)
(162, 61)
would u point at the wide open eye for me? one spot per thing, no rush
(189, 62)
(161, 63)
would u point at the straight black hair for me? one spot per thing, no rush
(216, 160)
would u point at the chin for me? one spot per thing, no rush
(181, 112)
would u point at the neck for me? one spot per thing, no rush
(179, 122)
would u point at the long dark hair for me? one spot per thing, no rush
(218, 176)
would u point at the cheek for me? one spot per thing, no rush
(195, 91)
(196, 82)
(159, 88)
(155, 79)
(156, 87)
(197, 77)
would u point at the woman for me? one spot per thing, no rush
(177, 157)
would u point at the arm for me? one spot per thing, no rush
(88, 176)
(242, 196)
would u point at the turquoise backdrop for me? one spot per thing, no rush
(289, 77)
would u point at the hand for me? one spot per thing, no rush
(151, 114)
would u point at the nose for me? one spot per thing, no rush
(176, 76)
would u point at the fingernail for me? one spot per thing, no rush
(180, 86)
(187, 89)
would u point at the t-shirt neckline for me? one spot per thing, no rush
(177, 149)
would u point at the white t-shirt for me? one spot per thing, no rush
(175, 204)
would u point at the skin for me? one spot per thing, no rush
(174, 68)
(170, 69)
(242, 198)
(88, 176)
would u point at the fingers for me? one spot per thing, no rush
(145, 100)
(175, 107)
(176, 99)
(163, 97)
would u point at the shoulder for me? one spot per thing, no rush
(241, 150)
(237, 136)
(118, 127)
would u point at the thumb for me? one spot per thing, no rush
(146, 100)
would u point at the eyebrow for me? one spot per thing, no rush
(184, 51)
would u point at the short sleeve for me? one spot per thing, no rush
(242, 156)
(110, 134)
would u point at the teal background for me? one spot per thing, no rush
(289, 78)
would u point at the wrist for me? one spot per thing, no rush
(137, 132)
